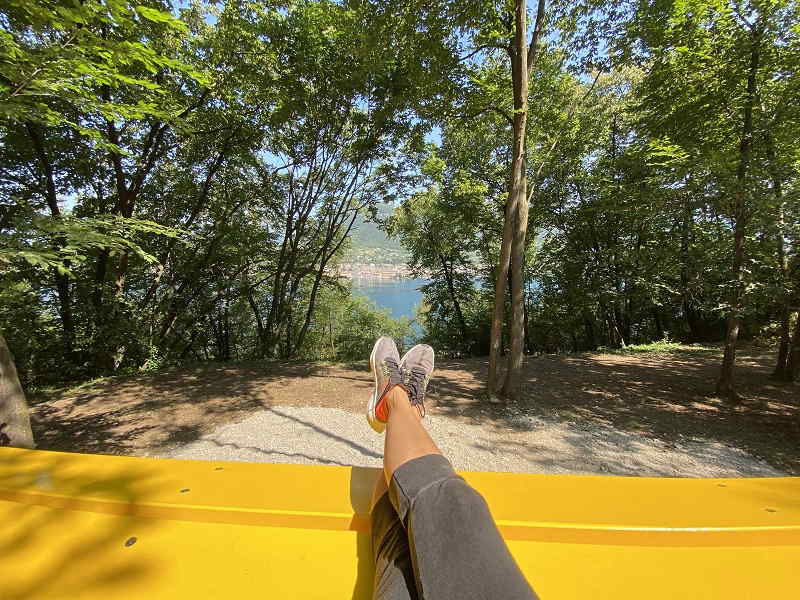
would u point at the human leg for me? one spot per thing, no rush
(456, 549)
(394, 574)
(450, 539)
(406, 438)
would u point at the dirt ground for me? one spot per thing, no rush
(661, 397)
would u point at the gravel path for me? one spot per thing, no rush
(317, 435)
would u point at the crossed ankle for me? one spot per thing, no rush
(397, 396)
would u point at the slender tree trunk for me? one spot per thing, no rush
(528, 344)
(689, 311)
(51, 197)
(511, 387)
(657, 322)
(782, 362)
(793, 359)
(590, 338)
(259, 322)
(326, 255)
(15, 423)
(448, 275)
(617, 318)
(725, 383)
(784, 309)
(516, 219)
(500, 288)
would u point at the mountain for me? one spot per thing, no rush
(370, 244)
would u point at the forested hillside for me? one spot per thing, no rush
(369, 242)
(177, 180)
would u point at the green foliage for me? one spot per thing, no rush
(56, 56)
(79, 238)
(664, 347)
(345, 328)
(369, 243)
(179, 184)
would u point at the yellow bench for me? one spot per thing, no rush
(80, 526)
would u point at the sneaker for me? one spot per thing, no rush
(384, 362)
(417, 368)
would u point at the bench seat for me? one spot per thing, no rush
(76, 526)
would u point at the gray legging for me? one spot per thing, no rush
(434, 538)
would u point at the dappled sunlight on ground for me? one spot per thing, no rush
(666, 398)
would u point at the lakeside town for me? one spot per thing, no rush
(374, 271)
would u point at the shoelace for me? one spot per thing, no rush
(392, 371)
(416, 382)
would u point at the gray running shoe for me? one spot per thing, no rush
(417, 368)
(384, 362)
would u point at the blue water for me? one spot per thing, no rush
(400, 296)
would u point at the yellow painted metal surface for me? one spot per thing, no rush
(81, 526)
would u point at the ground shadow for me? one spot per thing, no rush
(667, 397)
(40, 559)
(362, 482)
(155, 414)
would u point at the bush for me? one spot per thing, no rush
(664, 346)
(345, 328)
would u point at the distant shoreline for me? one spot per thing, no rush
(375, 271)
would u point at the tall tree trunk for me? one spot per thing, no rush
(15, 422)
(516, 219)
(528, 344)
(326, 255)
(448, 275)
(689, 310)
(591, 343)
(500, 288)
(793, 359)
(51, 197)
(725, 383)
(261, 350)
(657, 322)
(784, 309)
(617, 319)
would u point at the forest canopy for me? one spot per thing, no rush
(178, 182)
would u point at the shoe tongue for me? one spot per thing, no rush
(394, 373)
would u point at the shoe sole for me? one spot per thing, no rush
(372, 419)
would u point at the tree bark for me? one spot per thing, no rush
(15, 423)
(725, 384)
(591, 343)
(340, 225)
(689, 310)
(527, 337)
(793, 359)
(51, 197)
(784, 308)
(515, 227)
(448, 275)
(261, 350)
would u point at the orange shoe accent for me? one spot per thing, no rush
(382, 407)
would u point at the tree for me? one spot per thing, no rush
(516, 219)
(710, 62)
(15, 424)
(191, 191)
(438, 226)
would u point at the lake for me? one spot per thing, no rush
(400, 296)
